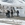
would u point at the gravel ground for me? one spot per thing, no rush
(4, 16)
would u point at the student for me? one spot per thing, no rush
(8, 14)
(11, 13)
(17, 13)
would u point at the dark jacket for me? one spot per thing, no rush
(11, 11)
(8, 12)
(17, 11)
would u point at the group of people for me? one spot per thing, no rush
(8, 13)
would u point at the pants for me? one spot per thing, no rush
(17, 14)
(8, 15)
(11, 15)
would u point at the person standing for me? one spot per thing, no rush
(11, 13)
(8, 14)
(17, 13)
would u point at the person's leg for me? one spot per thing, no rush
(12, 15)
(17, 14)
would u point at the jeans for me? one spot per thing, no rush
(17, 14)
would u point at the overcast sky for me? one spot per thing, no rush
(15, 1)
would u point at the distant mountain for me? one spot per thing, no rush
(24, 0)
(9, 1)
(4, 0)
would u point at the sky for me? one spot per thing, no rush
(15, 2)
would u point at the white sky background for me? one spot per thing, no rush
(4, 3)
(15, 2)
